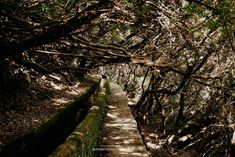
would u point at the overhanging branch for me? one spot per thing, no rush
(56, 32)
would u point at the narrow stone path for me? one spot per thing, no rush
(121, 137)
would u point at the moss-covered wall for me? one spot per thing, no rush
(84, 138)
(44, 138)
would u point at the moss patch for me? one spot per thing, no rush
(84, 138)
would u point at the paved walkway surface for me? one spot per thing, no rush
(121, 137)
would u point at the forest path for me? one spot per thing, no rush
(120, 134)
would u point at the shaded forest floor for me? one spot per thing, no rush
(23, 108)
(195, 138)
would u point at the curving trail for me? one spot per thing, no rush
(121, 137)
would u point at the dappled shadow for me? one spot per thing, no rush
(120, 133)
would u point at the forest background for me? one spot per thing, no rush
(174, 58)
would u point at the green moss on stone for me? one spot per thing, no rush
(87, 132)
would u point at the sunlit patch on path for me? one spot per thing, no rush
(120, 134)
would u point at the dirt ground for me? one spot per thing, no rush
(24, 108)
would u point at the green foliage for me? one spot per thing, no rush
(129, 3)
(45, 8)
(220, 16)
(190, 9)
